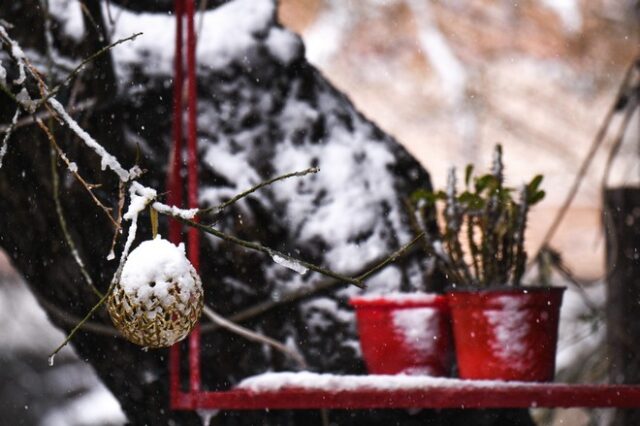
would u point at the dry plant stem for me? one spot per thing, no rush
(118, 230)
(90, 17)
(568, 275)
(43, 115)
(455, 248)
(219, 208)
(520, 254)
(7, 92)
(617, 142)
(65, 229)
(412, 214)
(414, 224)
(253, 336)
(271, 252)
(391, 258)
(84, 320)
(67, 318)
(586, 163)
(473, 248)
(324, 414)
(489, 247)
(79, 178)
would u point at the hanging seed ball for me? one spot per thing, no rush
(158, 299)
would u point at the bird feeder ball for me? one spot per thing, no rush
(158, 299)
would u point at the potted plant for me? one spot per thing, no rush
(404, 333)
(502, 329)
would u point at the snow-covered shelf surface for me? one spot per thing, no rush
(311, 390)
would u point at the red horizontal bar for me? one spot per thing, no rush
(508, 396)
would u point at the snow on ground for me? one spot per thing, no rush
(69, 393)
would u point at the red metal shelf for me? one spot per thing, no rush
(310, 391)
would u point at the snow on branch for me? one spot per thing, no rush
(7, 134)
(107, 160)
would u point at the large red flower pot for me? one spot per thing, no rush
(405, 333)
(506, 334)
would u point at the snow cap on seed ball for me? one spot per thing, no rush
(153, 268)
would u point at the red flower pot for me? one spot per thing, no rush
(404, 333)
(506, 334)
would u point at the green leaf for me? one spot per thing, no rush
(486, 181)
(468, 172)
(534, 184)
(428, 196)
(471, 201)
(536, 197)
(419, 194)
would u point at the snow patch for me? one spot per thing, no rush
(511, 327)
(273, 382)
(228, 33)
(3, 75)
(419, 329)
(97, 407)
(106, 159)
(290, 264)
(5, 140)
(326, 36)
(152, 273)
(175, 211)
(69, 14)
(283, 45)
(17, 54)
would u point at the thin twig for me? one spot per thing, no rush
(391, 258)
(568, 275)
(94, 24)
(586, 163)
(118, 230)
(264, 307)
(81, 323)
(67, 318)
(63, 225)
(43, 115)
(617, 142)
(252, 335)
(219, 208)
(79, 68)
(473, 247)
(269, 251)
(89, 187)
(202, 9)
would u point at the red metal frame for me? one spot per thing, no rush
(472, 394)
(466, 394)
(185, 10)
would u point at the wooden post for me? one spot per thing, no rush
(622, 228)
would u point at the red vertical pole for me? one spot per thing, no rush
(175, 182)
(174, 179)
(192, 176)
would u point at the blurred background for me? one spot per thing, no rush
(448, 79)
